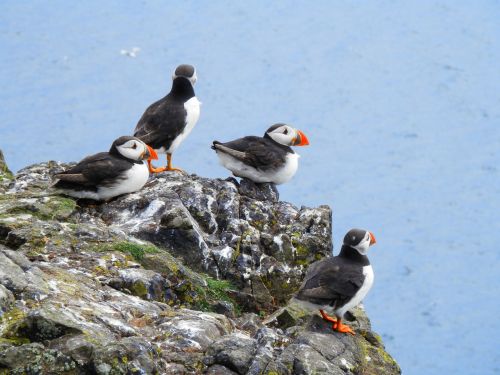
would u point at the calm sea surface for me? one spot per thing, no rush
(400, 101)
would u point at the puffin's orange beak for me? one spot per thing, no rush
(301, 139)
(372, 239)
(150, 154)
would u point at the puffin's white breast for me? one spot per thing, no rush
(277, 176)
(288, 170)
(362, 292)
(133, 180)
(192, 107)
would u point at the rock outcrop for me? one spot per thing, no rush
(188, 276)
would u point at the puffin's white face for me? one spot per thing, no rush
(285, 135)
(133, 149)
(365, 243)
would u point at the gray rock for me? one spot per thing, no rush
(210, 224)
(262, 192)
(44, 324)
(225, 308)
(234, 351)
(78, 346)
(11, 275)
(322, 343)
(249, 323)
(143, 283)
(219, 370)
(194, 331)
(215, 230)
(308, 361)
(288, 316)
(18, 258)
(119, 287)
(6, 299)
(35, 359)
(175, 369)
(269, 343)
(131, 355)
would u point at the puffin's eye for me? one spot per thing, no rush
(134, 146)
(286, 131)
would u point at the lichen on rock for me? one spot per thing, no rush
(188, 276)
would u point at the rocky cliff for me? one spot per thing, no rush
(188, 276)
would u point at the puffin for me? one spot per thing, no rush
(106, 175)
(337, 284)
(263, 159)
(168, 121)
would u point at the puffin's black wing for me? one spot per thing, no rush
(161, 123)
(331, 281)
(101, 169)
(256, 152)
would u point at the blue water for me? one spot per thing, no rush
(400, 101)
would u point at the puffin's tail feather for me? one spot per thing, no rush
(213, 147)
(218, 146)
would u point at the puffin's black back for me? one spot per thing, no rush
(332, 281)
(261, 153)
(102, 169)
(165, 119)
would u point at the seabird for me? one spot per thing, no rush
(337, 284)
(263, 159)
(108, 174)
(166, 123)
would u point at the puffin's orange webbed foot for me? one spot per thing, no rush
(174, 169)
(339, 327)
(155, 170)
(169, 165)
(327, 317)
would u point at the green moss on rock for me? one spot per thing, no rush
(136, 250)
(216, 290)
(11, 323)
(60, 207)
(49, 208)
(139, 289)
(372, 358)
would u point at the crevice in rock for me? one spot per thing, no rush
(39, 329)
(9, 238)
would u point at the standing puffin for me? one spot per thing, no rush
(108, 174)
(168, 121)
(340, 283)
(263, 159)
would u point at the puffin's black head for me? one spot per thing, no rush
(185, 71)
(132, 148)
(286, 135)
(360, 240)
